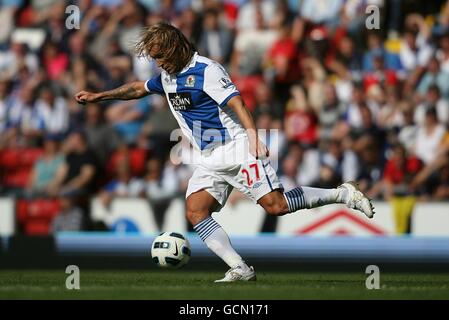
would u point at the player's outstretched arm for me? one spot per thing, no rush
(257, 148)
(132, 90)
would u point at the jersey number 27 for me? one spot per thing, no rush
(251, 172)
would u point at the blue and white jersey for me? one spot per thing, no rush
(197, 97)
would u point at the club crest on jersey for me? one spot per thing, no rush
(190, 81)
(225, 82)
(181, 101)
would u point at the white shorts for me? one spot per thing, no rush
(232, 166)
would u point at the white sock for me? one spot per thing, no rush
(218, 241)
(307, 198)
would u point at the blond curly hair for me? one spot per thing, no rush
(168, 42)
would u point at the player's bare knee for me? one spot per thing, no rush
(196, 216)
(275, 209)
(274, 204)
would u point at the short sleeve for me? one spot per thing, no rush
(154, 85)
(218, 85)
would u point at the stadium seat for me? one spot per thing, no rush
(29, 156)
(16, 178)
(21, 210)
(36, 216)
(37, 227)
(10, 158)
(136, 157)
(17, 164)
(43, 208)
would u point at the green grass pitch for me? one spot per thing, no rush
(183, 284)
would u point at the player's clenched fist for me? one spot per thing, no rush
(85, 96)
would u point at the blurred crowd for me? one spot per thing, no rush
(349, 103)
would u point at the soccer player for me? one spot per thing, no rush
(212, 114)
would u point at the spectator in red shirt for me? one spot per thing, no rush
(301, 122)
(282, 57)
(380, 75)
(55, 62)
(398, 174)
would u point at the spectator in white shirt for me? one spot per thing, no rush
(53, 112)
(415, 51)
(429, 137)
(433, 99)
(17, 56)
(409, 130)
(415, 54)
(250, 47)
(23, 115)
(246, 19)
(442, 53)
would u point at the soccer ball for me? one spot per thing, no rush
(170, 250)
